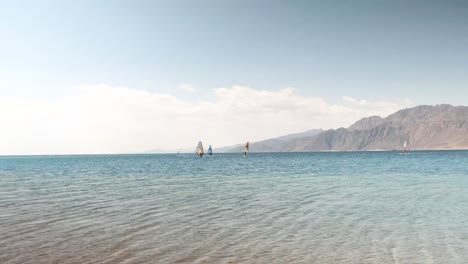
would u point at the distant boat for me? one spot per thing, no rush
(246, 150)
(199, 150)
(404, 148)
(178, 151)
(210, 151)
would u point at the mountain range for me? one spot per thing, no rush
(424, 127)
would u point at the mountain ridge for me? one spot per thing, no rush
(425, 127)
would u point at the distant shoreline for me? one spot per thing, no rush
(172, 153)
(366, 150)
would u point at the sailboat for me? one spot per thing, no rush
(199, 150)
(246, 150)
(405, 148)
(210, 151)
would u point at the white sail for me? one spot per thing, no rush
(405, 147)
(199, 150)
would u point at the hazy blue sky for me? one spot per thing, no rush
(370, 50)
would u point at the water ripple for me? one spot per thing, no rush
(352, 207)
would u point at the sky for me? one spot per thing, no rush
(89, 77)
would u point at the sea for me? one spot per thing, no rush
(323, 207)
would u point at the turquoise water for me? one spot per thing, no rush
(353, 207)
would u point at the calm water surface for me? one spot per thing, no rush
(356, 207)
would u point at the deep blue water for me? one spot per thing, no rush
(345, 207)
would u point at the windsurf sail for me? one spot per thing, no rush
(246, 150)
(405, 147)
(210, 151)
(199, 150)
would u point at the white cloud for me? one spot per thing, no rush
(107, 119)
(187, 88)
(380, 108)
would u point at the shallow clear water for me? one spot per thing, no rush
(356, 207)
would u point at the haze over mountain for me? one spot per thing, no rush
(424, 127)
(272, 145)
